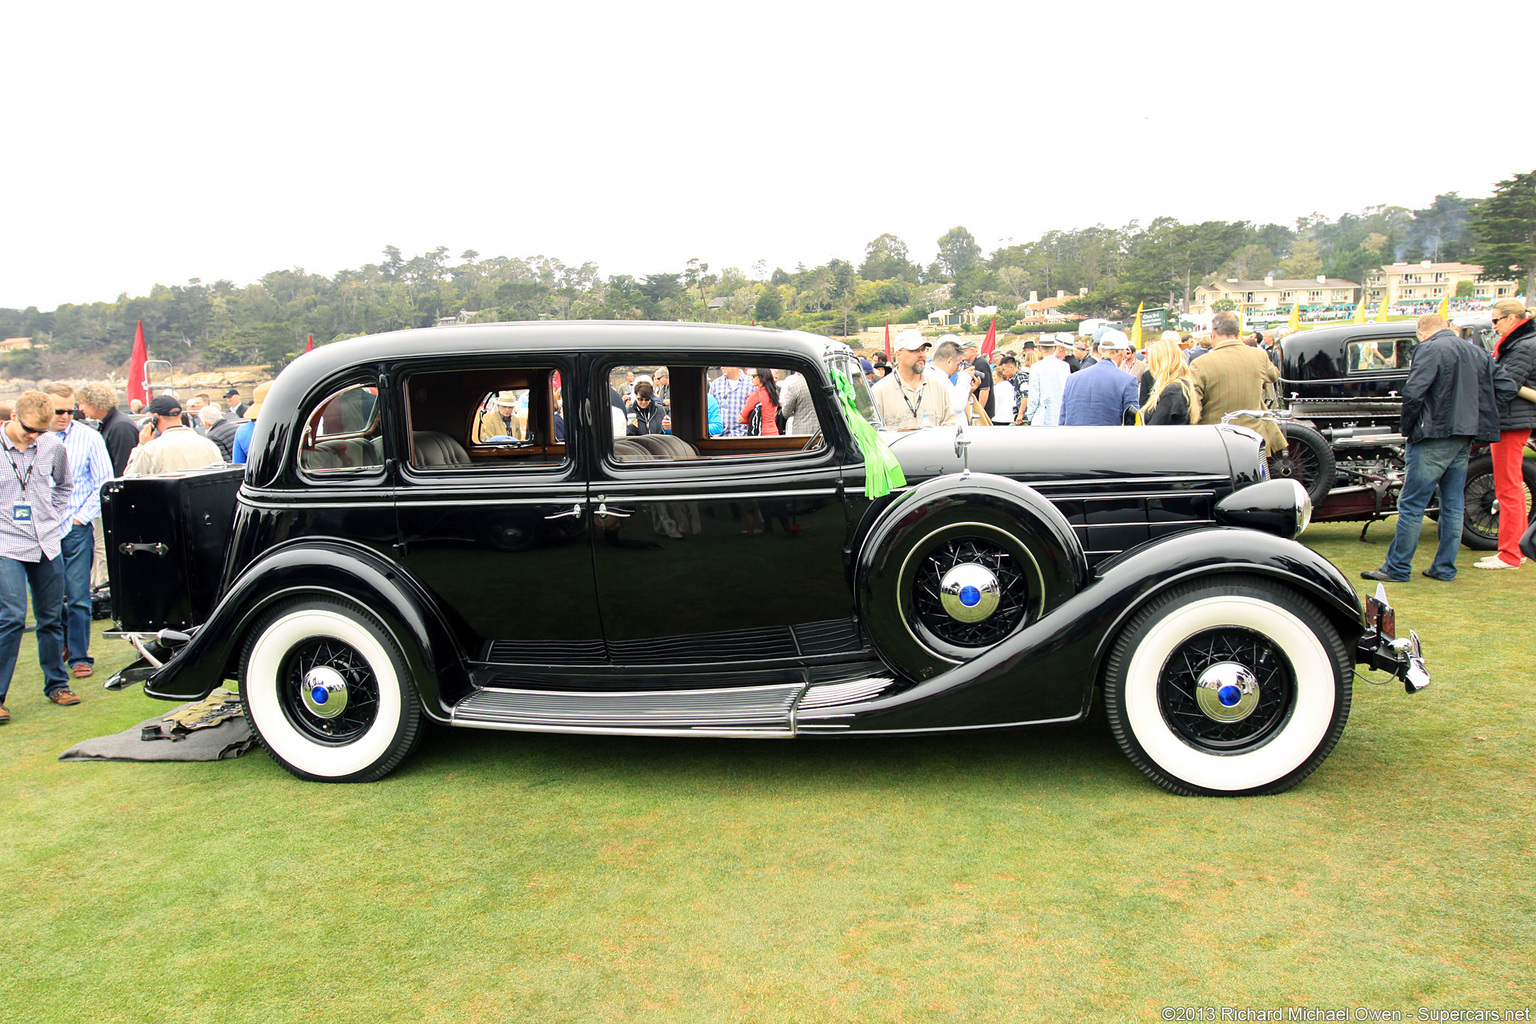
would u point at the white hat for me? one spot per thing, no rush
(911, 341)
(506, 398)
(1113, 339)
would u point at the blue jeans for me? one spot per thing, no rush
(1440, 463)
(78, 549)
(46, 578)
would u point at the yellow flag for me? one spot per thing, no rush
(1381, 314)
(1295, 323)
(1242, 319)
(1360, 309)
(1445, 308)
(1136, 327)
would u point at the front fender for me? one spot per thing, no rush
(1046, 671)
(333, 568)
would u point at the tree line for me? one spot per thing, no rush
(1106, 270)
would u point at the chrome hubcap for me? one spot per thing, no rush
(325, 692)
(1227, 692)
(969, 592)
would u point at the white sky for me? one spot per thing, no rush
(159, 141)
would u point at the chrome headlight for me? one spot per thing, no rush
(1280, 507)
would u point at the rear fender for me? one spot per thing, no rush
(332, 568)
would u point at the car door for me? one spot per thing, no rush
(715, 553)
(493, 524)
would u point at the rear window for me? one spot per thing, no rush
(1374, 355)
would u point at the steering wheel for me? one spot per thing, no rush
(812, 442)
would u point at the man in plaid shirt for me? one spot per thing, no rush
(732, 390)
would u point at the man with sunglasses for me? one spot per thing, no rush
(89, 466)
(35, 488)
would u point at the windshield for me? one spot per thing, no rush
(845, 363)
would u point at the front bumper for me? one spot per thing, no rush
(1380, 649)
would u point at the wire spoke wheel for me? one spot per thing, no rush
(1193, 660)
(983, 558)
(1236, 686)
(328, 692)
(927, 599)
(362, 691)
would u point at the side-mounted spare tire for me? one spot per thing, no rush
(960, 564)
(1307, 459)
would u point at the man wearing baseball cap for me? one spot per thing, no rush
(166, 445)
(909, 398)
(1100, 394)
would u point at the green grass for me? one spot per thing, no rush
(1023, 875)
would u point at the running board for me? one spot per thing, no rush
(757, 711)
(762, 712)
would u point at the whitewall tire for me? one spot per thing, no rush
(1233, 687)
(328, 693)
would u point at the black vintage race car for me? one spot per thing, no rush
(1341, 388)
(467, 526)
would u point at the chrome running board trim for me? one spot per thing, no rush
(740, 711)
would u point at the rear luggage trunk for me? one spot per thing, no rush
(166, 538)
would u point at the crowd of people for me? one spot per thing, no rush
(62, 443)
(1081, 380)
(1456, 395)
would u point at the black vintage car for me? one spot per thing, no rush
(1342, 389)
(393, 555)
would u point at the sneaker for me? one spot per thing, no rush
(83, 670)
(1381, 576)
(64, 698)
(1442, 579)
(1494, 562)
(5, 714)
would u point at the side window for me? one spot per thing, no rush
(696, 411)
(343, 433)
(508, 417)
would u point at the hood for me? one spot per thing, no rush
(1058, 456)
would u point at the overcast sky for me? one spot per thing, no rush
(158, 141)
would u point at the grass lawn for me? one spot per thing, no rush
(1022, 875)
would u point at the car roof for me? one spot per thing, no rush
(566, 336)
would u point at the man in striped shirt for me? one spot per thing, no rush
(35, 489)
(90, 466)
(1047, 381)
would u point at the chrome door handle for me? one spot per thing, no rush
(574, 510)
(604, 510)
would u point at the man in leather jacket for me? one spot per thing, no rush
(1450, 400)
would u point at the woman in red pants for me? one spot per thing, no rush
(1516, 355)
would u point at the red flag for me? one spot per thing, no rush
(990, 345)
(887, 339)
(309, 344)
(136, 376)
